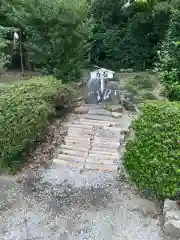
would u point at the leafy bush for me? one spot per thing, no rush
(152, 157)
(169, 57)
(147, 95)
(143, 82)
(131, 88)
(24, 113)
(163, 92)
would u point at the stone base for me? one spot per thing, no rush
(172, 218)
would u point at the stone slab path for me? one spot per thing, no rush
(93, 141)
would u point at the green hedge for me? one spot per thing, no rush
(24, 113)
(152, 158)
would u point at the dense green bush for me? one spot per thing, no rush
(170, 57)
(24, 113)
(152, 157)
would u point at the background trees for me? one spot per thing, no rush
(57, 32)
(170, 55)
(59, 37)
(128, 36)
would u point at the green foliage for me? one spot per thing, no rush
(170, 57)
(147, 95)
(152, 157)
(4, 59)
(57, 32)
(143, 82)
(24, 113)
(131, 88)
(163, 92)
(128, 37)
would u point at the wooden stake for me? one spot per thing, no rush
(21, 52)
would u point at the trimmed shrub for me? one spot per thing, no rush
(152, 158)
(25, 111)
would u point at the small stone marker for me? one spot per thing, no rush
(81, 110)
(116, 115)
(115, 108)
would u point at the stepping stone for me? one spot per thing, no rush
(78, 144)
(74, 148)
(101, 167)
(99, 112)
(115, 129)
(79, 127)
(103, 156)
(99, 117)
(80, 131)
(96, 123)
(77, 139)
(105, 145)
(79, 134)
(103, 139)
(94, 106)
(103, 150)
(63, 163)
(76, 153)
(98, 161)
(71, 159)
(114, 154)
(107, 133)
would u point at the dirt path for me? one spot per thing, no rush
(80, 195)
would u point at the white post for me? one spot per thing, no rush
(102, 84)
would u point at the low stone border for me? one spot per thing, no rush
(171, 224)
